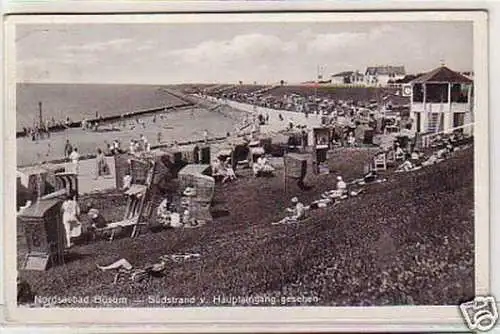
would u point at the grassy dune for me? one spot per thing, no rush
(409, 240)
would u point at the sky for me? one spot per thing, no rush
(232, 52)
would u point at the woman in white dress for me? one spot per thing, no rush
(70, 212)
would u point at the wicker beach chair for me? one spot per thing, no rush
(138, 207)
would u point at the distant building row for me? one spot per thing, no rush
(373, 76)
(377, 76)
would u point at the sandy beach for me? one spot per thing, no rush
(182, 125)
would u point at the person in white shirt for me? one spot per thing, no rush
(131, 147)
(143, 140)
(298, 212)
(75, 160)
(257, 167)
(163, 213)
(230, 174)
(406, 166)
(351, 140)
(400, 154)
(70, 212)
(218, 168)
(341, 185)
(137, 146)
(116, 146)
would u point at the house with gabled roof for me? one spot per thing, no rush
(380, 75)
(348, 78)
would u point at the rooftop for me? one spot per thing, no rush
(442, 74)
(385, 70)
(347, 73)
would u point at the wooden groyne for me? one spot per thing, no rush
(113, 118)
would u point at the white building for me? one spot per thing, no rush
(380, 75)
(441, 100)
(348, 78)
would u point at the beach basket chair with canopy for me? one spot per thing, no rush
(195, 178)
(380, 162)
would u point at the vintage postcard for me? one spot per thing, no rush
(267, 170)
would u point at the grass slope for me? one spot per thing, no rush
(407, 241)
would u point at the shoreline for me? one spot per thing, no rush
(211, 104)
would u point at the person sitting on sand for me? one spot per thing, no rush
(298, 212)
(163, 214)
(127, 182)
(351, 140)
(262, 166)
(399, 153)
(230, 174)
(96, 218)
(218, 169)
(340, 190)
(405, 166)
(341, 185)
(95, 222)
(415, 155)
(370, 176)
(433, 159)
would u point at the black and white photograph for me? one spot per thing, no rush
(247, 163)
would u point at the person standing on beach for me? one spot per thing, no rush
(205, 136)
(158, 137)
(70, 212)
(75, 157)
(67, 149)
(101, 165)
